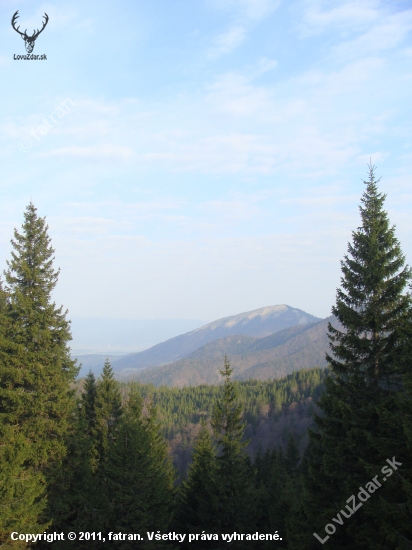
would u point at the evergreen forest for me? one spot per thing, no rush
(319, 459)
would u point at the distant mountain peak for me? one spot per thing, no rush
(242, 318)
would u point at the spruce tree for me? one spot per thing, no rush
(22, 488)
(198, 503)
(138, 476)
(88, 408)
(108, 403)
(234, 477)
(73, 502)
(349, 445)
(89, 401)
(36, 402)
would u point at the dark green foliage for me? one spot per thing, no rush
(278, 478)
(219, 493)
(227, 419)
(36, 404)
(99, 410)
(89, 402)
(273, 410)
(89, 420)
(198, 503)
(359, 428)
(3, 299)
(22, 488)
(234, 476)
(74, 489)
(394, 506)
(108, 410)
(371, 305)
(292, 457)
(181, 406)
(37, 371)
(137, 475)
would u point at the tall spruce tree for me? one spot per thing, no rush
(234, 476)
(359, 406)
(36, 402)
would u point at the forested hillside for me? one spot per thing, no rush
(273, 411)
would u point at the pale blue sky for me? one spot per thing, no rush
(210, 156)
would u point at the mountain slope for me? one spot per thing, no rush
(258, 323)
(266, 358)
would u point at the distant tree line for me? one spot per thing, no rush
(98, 461)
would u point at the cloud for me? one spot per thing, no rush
(310, 124)
(253, 10)
(232, 210)
(87, 226)
(4, 60)
(264, 65)
(246, 14)
(99, 152)
(387, 34)
(298, 128)
(257, 10)
(227, 41)
(129, 212)
(353, 15)
(364, 28)
(235, 94)
(227, 153)
(321, 201)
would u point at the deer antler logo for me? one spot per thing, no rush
(28, 40)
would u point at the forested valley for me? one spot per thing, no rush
(273, 411)
(319, 459)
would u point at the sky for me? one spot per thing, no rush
(198, 159)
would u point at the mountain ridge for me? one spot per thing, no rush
(274, 356)
(256, 323)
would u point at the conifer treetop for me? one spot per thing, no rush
(30, 281)
(371, 304)
(30, 270)
(227, 418)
